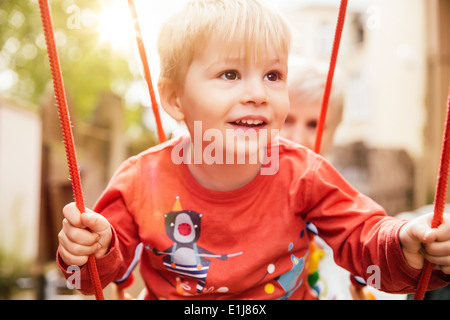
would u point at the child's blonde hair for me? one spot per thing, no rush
(307, 78)
(247, 25)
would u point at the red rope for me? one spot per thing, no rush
(66, 129)
(439, 203)
(334, 54)
(140, 43)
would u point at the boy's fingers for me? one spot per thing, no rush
(420, 235)
(85, 227)
(442, 261)
(427, 235)
(72, 214)
(70, 259)
(83, 234)
(78, 235)
(95, 222)
(444, 269)
(438, 248)
(78, 249)
(100, 226)
(422, 230)
(443, 231)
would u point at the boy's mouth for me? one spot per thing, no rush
(250, 123)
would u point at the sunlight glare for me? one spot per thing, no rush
(114, 25)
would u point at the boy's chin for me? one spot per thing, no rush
(246, 152)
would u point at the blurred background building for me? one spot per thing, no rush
(396, 57)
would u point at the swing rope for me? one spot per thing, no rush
(327, 91)
(439, 202)
(148, 78)
(64, 119)
(328, 84)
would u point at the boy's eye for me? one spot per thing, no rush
(230, 75)
(289, 120)
(273, 76)
(312, 124)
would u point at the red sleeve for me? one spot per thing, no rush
(116, 204)
(364, 239)
(82, 281)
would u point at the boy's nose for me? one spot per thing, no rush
(255, 92)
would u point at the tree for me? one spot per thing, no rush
(88, 65)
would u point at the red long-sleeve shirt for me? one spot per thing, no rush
(249, 243)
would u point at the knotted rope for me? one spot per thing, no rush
(148, 78)
(439, 202)
(64, 119)
(332, 67)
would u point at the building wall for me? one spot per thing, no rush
(20, 170)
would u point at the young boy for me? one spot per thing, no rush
(211, 224)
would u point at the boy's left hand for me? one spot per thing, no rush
(419, 241)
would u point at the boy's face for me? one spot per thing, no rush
(301, 123)
(226, 91)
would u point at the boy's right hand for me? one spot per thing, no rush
(82, 235)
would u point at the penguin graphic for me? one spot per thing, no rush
(185, 257)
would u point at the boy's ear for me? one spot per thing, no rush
(170, 102)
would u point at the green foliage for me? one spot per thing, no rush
(88, 66)
(13, 264)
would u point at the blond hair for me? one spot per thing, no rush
(247, 25)
(307, 78)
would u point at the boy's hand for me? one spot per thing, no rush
(419, 241)
(82, 235)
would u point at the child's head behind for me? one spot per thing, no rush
(246, 25)
(307, 78)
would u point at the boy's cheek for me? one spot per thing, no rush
(283, 116)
